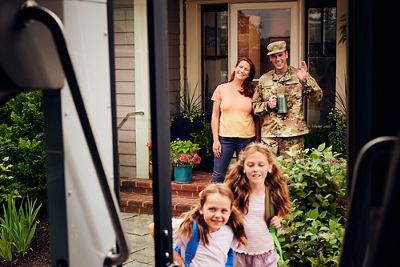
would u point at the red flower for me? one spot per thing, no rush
(148, 144)
(196, 159)
(184, 158)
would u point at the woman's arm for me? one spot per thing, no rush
(215, 127)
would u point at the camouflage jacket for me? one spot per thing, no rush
(292, 123)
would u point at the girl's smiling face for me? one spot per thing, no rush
(256, 168)
(216, 211)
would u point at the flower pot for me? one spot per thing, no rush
(183, 174)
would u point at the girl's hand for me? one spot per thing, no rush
(217, 149)
(276, 222)
(178, 259)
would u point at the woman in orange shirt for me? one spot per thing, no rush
(233, 122)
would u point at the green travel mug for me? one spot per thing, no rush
(282, 105)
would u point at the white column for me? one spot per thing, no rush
(142, 88)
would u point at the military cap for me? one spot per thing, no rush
(276, 47)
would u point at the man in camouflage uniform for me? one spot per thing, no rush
(283, 129)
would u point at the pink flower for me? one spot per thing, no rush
(196, 159)
(148, 144)
(184, 158)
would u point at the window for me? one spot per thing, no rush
(321, 56)
(214, 50)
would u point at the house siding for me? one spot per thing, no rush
(125, 85)
(174, 60)
(125, 77)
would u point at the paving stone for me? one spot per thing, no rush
(138, 264)
(138, 225)
(140, 243)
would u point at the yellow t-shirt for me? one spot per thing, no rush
(236, 119)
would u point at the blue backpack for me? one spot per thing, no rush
(192, 245)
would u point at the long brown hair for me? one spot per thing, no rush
(235, 219)
(248, 87)
(238, 182)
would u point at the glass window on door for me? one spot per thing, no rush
(256, 29)
(254, 25)
(214, 51)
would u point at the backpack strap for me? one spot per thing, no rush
(192, 245)
(231, 258)
(269, 208)
(269, 213)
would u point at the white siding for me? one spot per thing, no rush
(124, 36)
(125, 85)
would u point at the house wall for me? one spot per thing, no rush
(174, 55)
(132, 162)
(125, 85)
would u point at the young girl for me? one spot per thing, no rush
(218, 226)
(248, 179)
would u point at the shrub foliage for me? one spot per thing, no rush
(312, 234)
(22, 149)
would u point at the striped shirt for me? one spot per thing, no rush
(259, 238)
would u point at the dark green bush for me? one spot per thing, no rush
(22, 142)
(318, 134)
(312, 234)
(338, 130)
(8, 185)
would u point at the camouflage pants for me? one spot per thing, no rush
(286, 147)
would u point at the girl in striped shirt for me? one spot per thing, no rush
(254, 172)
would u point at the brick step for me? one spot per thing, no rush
(145, 186)
(136, 194)
(143, 204)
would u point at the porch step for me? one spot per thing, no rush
(136, 194)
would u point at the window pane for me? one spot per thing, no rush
(314, 31)
(215, 73)
(323, 69)
(210, 34)
(329, 37)
(222, 38)
(257, 28)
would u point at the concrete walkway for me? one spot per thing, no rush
(141, 244)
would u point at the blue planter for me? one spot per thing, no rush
(183, 174)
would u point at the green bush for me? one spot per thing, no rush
(203, 137)
(337, 134)
(22, 142)
(17, 227)
(318, 134)
(312, 234)
(8, 186)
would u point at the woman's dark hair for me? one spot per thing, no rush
(248, 87)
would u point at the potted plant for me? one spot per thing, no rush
(190, 115)
(183, 157)
(203, 137)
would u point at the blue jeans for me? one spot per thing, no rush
(228, 146)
